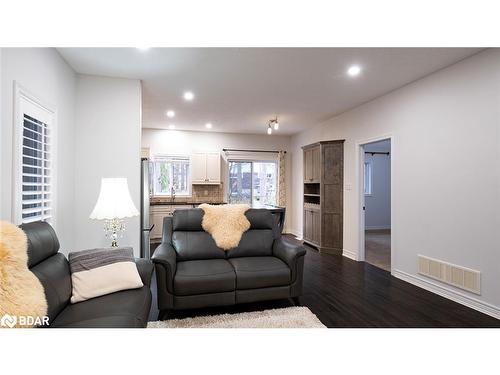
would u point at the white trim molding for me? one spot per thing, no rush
(451, 294)
(295, 233)
(359, 162)
(350, 254)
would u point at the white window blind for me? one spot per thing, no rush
(34, 155)
(36, 170)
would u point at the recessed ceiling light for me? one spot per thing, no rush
(171, 126)
(188, 95)
(143, 48)
(208, 125)
(170, 113)
(354, 70)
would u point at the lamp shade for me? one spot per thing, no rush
(114, 200)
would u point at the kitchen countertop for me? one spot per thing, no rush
(179, 203)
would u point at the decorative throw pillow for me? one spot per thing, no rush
(98, 272)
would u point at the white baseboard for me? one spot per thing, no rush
(350, 254)
(296, 234)
(377, 227)
(451, 294)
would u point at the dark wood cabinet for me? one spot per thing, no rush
(312, 225)
(323, 195)
(312, 165)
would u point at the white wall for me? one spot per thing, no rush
(108, 112)
(185, 142)
(45, 74)
(378, 204)
(446, 171)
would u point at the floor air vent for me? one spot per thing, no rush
(461, 277)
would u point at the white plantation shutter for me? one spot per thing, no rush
(34, 160)
(36, 177)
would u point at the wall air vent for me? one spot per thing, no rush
(458, 276)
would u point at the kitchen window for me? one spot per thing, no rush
(253, 182)
(171, 172)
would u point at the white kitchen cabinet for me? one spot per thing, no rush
(198, 168)
(156, 215)
(205, 168)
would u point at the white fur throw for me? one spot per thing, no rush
(226, 223)
(21, 293)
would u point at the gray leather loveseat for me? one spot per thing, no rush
(192, 272)
(125, 309)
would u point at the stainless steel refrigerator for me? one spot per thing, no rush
(146, 192)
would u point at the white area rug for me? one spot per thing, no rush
(289, 317)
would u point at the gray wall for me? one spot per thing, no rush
(378, 204)
(98, 135)
(46, 75)
(108, 144)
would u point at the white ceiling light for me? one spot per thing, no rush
(273, 123)
(171, 126)
(354, 70)
(208, 125)
(188, 95)
(170, 113)
(143, 48)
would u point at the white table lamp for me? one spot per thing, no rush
(113, 205)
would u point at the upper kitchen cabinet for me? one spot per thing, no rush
(205, 168)
(312, 162)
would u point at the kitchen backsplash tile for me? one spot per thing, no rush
(199, 193)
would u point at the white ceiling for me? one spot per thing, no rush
(240, 89)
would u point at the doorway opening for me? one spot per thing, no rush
(376, 198)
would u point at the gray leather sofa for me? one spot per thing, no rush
(192, 272)
(125, 309)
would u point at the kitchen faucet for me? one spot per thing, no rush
(172, 193)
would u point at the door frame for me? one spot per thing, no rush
(360, 159)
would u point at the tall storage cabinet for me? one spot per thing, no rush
(323, 195)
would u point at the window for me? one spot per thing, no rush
(171, 172)
(34, 190)
(253, 182)
(368, 177)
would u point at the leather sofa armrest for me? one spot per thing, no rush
(289, 251)
(145, 269)
(166, 256)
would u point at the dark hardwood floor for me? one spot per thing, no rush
(345, 293)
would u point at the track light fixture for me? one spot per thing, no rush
(273, 124)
